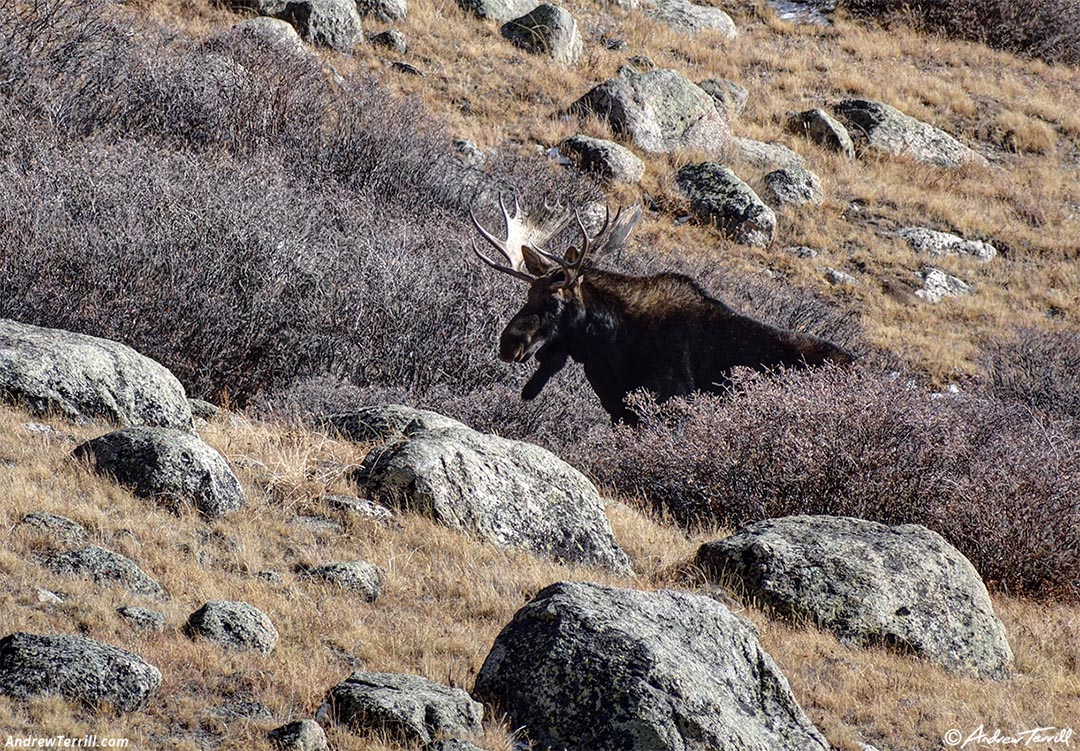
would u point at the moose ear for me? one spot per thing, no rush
(536, 263)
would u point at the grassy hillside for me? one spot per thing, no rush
(445, 597)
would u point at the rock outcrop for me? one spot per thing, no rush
(168, 466)
(55, 371)
(507, 492)
(407, 708)
(585, 667)
(660, 111)
(76, 668)
(868, 583)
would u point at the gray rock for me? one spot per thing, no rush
(143, 619)
(47, 597)
(688, 18)
(270, 33)
(934, 243)
(407, 68)
(728, 94)
(547, 30)
(357, 576)
(506, 492)
(386, 11)
(330, 23)
(498, 10)
(301, 735)
(166, 465)
(762, 155)
(937, 285)
(717, 195)
(794, 186)
(452, 744)
(392, 39)
(585, 667)
(822, 129)
(76, 668)
(354, 506)
(885, 129)
(607, 160)
(839, 278)
(242, 709)
(641, 63)
(55, 371)
(868, 583)
(660, 111)
(106, 568)
(407, 708)
(801, 251)
(235, 625)
(60, 528)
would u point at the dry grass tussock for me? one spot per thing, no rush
(445, 598)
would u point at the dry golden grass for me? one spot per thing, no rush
(445, 598)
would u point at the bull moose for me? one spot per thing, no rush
(662, 333)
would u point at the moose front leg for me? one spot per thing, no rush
(552, 360)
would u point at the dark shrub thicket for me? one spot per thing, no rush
(1044, 29)
(997, 479)
(1036, 367)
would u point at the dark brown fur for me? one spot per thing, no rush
(661, 333)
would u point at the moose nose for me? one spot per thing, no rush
(509, 349)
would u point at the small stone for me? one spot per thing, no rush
(839, 278)
(728, 94)
(47, 597)
(819, 127)
(762, 155)
(409, 69)
(59, 527)
(355, 506)
(794, 186)
(937, 285)
(199, 407)
(934, 243)
(300, 735)
(801, 251)
(392, 39)
(235, 625)
(357, 576)
(607, 160)
(142, 619)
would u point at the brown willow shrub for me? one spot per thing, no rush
(999, 481)
(1036, 367)
(1044, 29)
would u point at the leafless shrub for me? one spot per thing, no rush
(1044, 29)
(998, 480)
(1036, 367)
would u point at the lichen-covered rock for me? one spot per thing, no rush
(269, 33)
(357, 576)
(728, 94)
(794, 186)
(547, 30)
(166, 465)
(934, 243)
(607, 160)
(235, 625)
(766, 155)
(407, 708)
(660, 111)
(885, 129)
(937, 285)
(60, 528)
(718, 195)
(52, 370)
(817, 125)
(105, 567)
(354, 506)
(585, 667)
(385, 422)
(498, 10)
(689, 18)
(868, 583)
(143, 619)
(331, 23)
(391, 39)
(76, 668)
(386, 11)
(507, 492)
(301, 735)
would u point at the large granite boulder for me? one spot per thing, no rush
(868, 583)
(547, 30)
(167, 465)
(79, 376)
(689, 18)
(718, 195)
(234, 625)
(331, 23)
(498, 10)
(76, 668)
(584, 667)
(794, 186)
(660, 111)
(407, 708)
(506, 492)
(817, 125)
(883, 128)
